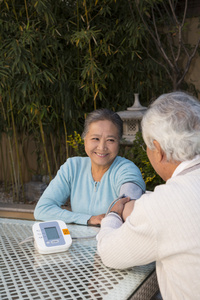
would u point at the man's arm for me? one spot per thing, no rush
(123, 245)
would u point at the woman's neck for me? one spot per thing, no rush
(98, 172)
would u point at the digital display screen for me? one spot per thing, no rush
(51, 233)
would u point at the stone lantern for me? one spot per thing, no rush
(132, 120)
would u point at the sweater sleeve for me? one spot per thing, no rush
(125, 172)
(123, 245)
(49, 210)
(56, 195)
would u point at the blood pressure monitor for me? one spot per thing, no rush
(51, 236)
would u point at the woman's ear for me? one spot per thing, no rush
(158, 150)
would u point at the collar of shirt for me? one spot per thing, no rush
(183, 165)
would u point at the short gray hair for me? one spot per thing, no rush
(101, 115)
(174, 121)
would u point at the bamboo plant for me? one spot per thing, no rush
(59, 60)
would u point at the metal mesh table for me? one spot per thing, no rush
(75, 274)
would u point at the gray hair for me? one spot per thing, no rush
(174, 121)
(101, 115)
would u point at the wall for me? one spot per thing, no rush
(27, 158)
(192, 36)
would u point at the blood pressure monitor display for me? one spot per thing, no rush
(51, 233)
(51, 236)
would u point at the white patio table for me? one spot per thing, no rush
(77, 273)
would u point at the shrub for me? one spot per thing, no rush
(137, 154)
(76, 142)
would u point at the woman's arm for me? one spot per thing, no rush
(56, 195)
(48, 209)
(128, 208)
(132, 190)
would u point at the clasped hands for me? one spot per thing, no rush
(122, 207)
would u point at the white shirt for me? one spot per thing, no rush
(163, 227)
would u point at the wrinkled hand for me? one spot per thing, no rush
(128, 208)
(118, 207)
(95, 220)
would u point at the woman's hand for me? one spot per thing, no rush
(118, 207)
(95, 220)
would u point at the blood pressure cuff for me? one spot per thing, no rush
(132, 190)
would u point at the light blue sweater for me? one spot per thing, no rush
(87, 197)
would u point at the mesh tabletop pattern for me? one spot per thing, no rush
(74, 274)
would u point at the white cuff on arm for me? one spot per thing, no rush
(132, 190)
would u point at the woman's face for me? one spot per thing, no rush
(102, 143)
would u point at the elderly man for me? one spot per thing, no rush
(164, 225)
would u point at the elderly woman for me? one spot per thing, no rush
(92, 182)
(163, 226)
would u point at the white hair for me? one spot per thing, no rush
(174, 121)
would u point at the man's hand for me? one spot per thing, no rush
(95, 220)
(118, 207)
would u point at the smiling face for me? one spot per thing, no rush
(102, 143)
